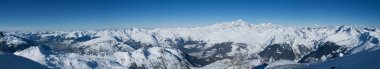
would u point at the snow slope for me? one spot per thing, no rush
(10, 61)
(368, 59)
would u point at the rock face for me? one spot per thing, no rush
(328, 50)
(227, 45)
(2, 42)
(278, 52)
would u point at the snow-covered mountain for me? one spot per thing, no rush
(236, 45)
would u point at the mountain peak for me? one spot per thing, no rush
(236, 23)
(239, 22)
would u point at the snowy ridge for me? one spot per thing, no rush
(235, 44)
(10, 61)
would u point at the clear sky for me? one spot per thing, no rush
(110, 14)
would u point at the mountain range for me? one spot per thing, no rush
(231, 45)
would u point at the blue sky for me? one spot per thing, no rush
(110, 14)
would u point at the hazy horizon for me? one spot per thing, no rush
(19, 15)
(13, 29)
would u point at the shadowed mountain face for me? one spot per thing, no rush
(277, 52)
(10, 61)
(231, 45)
(1, 34)
(328, 50)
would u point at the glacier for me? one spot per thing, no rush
(231, 45)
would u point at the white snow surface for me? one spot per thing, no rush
(368, 59)
(10, 61)
(33, 53)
